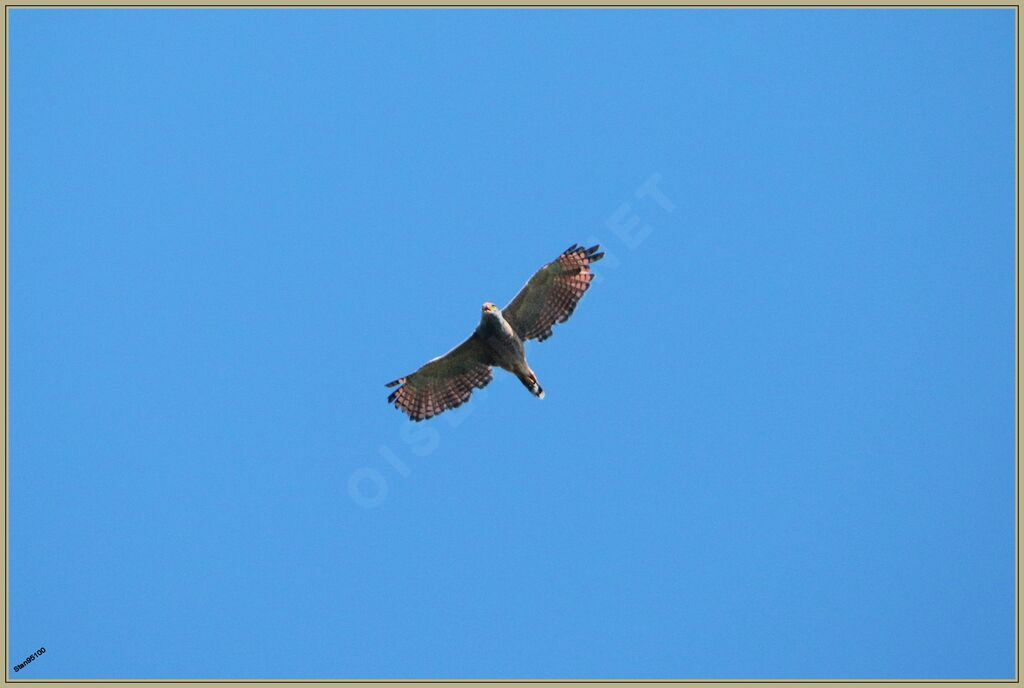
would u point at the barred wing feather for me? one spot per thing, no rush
(552, 293)
(443, 383)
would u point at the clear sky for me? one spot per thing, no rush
(778, 438)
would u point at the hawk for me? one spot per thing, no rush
(548, 298)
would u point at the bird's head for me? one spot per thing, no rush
(490, 309)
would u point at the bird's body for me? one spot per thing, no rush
(506, 348)
(548, 298)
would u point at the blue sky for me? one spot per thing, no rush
(778, 438)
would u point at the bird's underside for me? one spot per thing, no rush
(547, 299)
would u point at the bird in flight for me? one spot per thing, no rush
(549, 298)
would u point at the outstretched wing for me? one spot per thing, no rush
(444, 382)
(551, 295)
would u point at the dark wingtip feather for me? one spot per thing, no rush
(570, 249)
(596, 257)
(395, 382)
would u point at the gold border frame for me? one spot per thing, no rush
(527, 5)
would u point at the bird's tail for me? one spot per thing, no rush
(529, 381)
